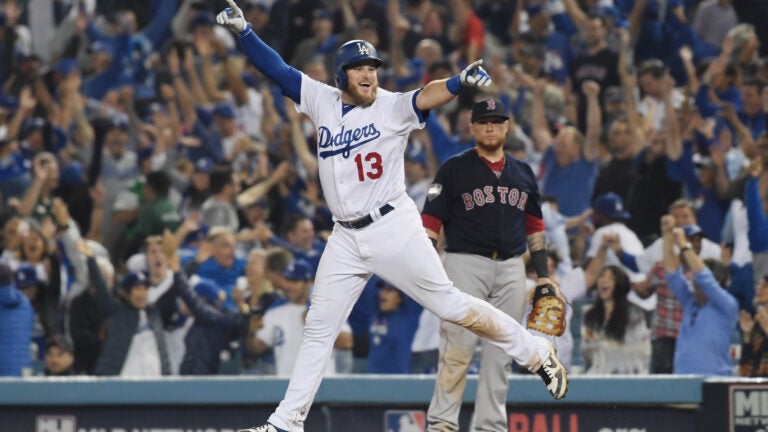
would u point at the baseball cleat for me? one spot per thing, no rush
(266, 428)
(554, 376)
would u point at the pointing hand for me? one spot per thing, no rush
(475, 75)
(232, 18)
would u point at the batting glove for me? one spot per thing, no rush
(232, 18)
(475, 75)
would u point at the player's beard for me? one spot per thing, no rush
(490, 146)
(360, 99)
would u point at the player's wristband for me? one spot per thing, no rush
(434, 242)
(245, 31)
(454, 85)
(539, 263)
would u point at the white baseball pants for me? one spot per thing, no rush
(396, 248)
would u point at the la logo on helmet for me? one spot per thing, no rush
(363, 49)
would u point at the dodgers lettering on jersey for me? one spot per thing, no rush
(480, 212)
(360, 153)
(345, 140)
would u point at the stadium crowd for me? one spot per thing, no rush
(162, 213)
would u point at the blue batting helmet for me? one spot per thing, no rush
(349, 53)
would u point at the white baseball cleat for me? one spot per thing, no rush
(554, 375)
(266, 428)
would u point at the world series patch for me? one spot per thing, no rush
(434, 191)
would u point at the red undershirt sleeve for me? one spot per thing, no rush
(433, 223)
(533, 224)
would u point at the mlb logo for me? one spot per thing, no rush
(48, 423)
(404, 421)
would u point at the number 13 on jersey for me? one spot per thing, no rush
(369, 166)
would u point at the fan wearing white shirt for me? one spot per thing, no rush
(608, 217)
(684, 213)
(284, 324)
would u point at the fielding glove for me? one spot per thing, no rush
(547, 312)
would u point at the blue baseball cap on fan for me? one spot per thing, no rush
(72, 173)
(25, 276)
(224, 110)
(102, 47)
(416, 154)
(66, 65)
(534, 9)
(131, 280)
(298, 270)
(204, 164)
(117, 122)
(610, 205)
(202, 18)
(33, 124)
(207, 290)
(199, 234)
(693, 230)
(322, 13)
(259, 4)
(145, 153)
(8, 102)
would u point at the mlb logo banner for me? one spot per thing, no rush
(404, 421)
(748, 408)
(51, 423)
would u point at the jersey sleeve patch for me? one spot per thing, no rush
(434, 191)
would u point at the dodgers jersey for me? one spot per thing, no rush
(360, 153)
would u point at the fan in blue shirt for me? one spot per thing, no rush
(709, 311)
(392, 331)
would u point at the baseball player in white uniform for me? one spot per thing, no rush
(362, 133)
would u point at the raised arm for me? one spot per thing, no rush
(106, 302)
(261, 189)
(199, 96)
(636, 18)
(629, 82)
(236, 83)
(574, 11)
(596, 264)
(40, 175)
(686, 56)
(205, 48)
(542, 137)
(399, 26)
(746, 142)
(264, 58)
(27, 103)
(674, 141)
(439, 92)
(669, 257)
(299, 142)
(703, 277)
(758, 222)
(594, 119)
(181, 90)
(722, 184)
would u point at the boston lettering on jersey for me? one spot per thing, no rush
(510, 196)
(345, 140)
